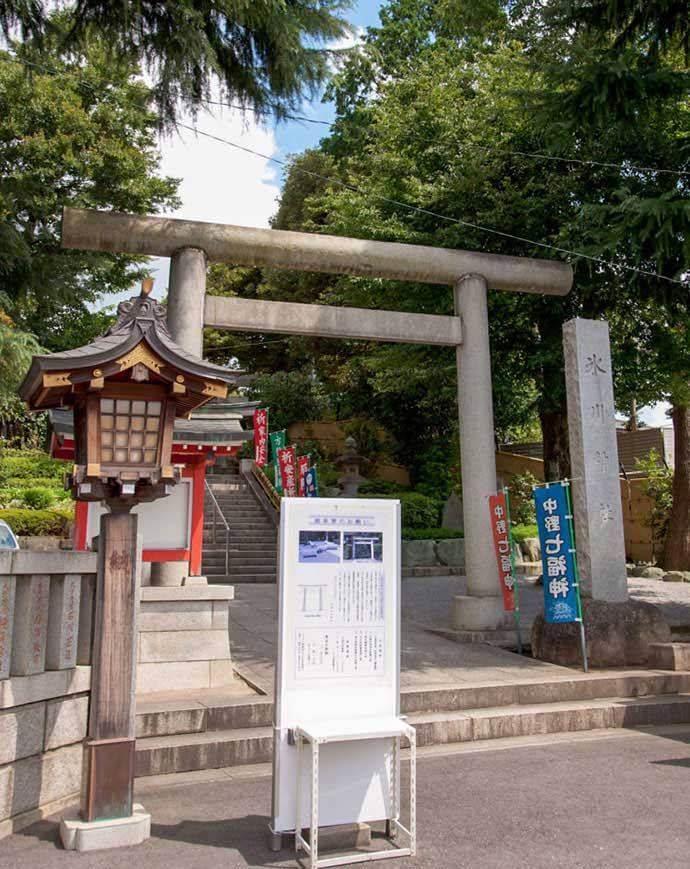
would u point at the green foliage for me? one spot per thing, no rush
(522, 509)
(263, 55)
(16, 350)
(367, 434)
(522, 532)
(290, 396)
(657, 487)
(431, 534)
(418, 511)
(382, 487)
(18, 427)
(38, 523)
(38, 498)
(76, 131)
(30, 466)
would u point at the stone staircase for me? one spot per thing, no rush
(252, 535)
(178, 736)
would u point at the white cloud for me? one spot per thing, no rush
(655, 415)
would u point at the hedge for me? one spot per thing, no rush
(38, 523)
(522, 532)
(28, 465)
(431, 534)
(418, 511)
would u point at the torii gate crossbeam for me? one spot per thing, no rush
(191, 244)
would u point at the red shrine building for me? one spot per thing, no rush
(172, 527)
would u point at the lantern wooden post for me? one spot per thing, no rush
(109, 749)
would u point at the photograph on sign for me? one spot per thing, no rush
(319, 547)
(363, 546)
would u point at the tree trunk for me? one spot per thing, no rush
(677, 547)
(554, 431)
(632, 422)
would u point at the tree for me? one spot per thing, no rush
(76, 132)
(262, 54)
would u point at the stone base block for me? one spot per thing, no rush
(195, 580)
(78, 835)
(479, 614)
(169, 573)
(669, 656)
(617, 634)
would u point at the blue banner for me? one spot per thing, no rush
(311, 483)
(557, 548)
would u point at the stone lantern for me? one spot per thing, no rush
(350, 462)
(125, 389)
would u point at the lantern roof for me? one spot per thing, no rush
(139, 337)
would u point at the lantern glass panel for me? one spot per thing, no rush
(130, 437)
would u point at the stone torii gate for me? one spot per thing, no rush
(192, 244)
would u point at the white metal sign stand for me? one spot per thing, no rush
(338, 675)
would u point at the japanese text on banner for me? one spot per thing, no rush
(311, 483)
(288, 471)
(558, 563)
(499, 526)
(261, 436)
(302, 468)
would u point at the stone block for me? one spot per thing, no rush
(30, 631)
(183, 675)
(221, 615)
(19, 690)
(452, 513)
(652, 573)
(86, 615)
(221, 673)
(21, 732)
(169, 573)
(180, 615)
(451, 552)
(66, 721)
(183, 646)
(479, 614)
(416, 553)
(7, 593)
(40, 779)
(639, 569)
(63, 621)
(188, 592)
(676, 576)
(79, 835)
(531, 549)
(669, 656)
(618, 635)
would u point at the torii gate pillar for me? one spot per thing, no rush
(481, 609)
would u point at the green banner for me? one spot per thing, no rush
(277, 441)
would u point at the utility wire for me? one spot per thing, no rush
(426, 211)
(414, 208)
(534, 155)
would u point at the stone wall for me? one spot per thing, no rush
(429, 553)
(46, 601)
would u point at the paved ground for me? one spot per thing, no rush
(428, 659)
(610, 801)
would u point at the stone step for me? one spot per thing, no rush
(159, 755)
(238, 570)
(215, 576)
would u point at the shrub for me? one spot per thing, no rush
(381, 487)
(38, 523)
(522, 509)
(658, 487)
(28, 465)
(431, 534)
(418, 511)
(38, 498)
(521, 532)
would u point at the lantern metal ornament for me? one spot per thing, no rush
(125, 389)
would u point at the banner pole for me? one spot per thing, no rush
(516, 595)
(583, 639)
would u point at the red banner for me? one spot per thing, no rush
(499, 527)
(288, 471)
(261, 436)
(302, 468)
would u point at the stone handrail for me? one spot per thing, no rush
(266, 485)
(46, 611)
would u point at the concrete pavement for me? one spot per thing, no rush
(601, 800)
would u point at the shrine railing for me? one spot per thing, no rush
(267, 486)
(46, 611)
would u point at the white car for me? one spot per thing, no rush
(7, 538)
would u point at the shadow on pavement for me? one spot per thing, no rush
(248, 836)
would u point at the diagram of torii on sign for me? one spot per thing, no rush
(192, 244)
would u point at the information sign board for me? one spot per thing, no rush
(557, 551)
(338, 650)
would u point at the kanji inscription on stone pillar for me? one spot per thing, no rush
(594, 460)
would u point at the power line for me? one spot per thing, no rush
(426, 211)
(414, 208)
(533, 155)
